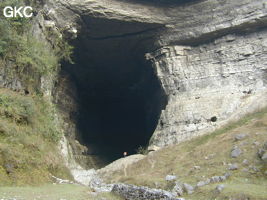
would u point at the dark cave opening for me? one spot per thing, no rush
(119, 96)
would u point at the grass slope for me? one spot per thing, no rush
(28, 143)
(53, 192)
(211, 153)
(28, 140)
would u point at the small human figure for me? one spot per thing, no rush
(125, 154)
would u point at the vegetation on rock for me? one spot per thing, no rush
(31, 57)
(29, 132)
(28, 140)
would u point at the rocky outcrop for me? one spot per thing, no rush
(7, 79)
(183, 21)
(202, 21)
(132, 192)
(120, 164)
(262, 152)
(209, 85)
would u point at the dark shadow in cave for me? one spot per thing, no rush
(120, 97)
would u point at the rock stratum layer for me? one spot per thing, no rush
(209, 84)
(209, 56)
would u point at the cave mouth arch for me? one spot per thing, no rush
(119, 98)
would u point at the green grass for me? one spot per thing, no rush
(16, 109)
(237, 188)
(28, 126)
(212, 153)
(28, 140)
(53, 192)
(29, 132)
(25, 57)
(230, 126)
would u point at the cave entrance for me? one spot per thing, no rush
(119, 96)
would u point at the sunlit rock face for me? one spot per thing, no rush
(210, 84)
(196, 64)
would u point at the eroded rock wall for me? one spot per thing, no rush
(204, 20)
(210, 84)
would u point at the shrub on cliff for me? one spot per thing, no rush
(31, 57)
(28, 140)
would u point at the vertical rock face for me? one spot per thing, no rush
(220, 74)
(210, 59)
(210, 84)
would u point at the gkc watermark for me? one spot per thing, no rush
(22, 11)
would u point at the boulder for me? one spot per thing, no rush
(236, 152)
(215, 179)
(197, 167)
(9, 167)
(227, 174)
(222, 178)
(264, 157)
(254, 168)
(256, 143)
(240, 136)
(189, 189)
(233, 166)
(201, 183)
(245, 162)
(170, 178)
(262, 152)
(178, 189)
(132, 192)
(219, 188)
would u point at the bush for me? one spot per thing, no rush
(17, 109)
(142, 150)
(36, 56)
(28, 128)
(28, 146)
(11, 28)
(31, 56)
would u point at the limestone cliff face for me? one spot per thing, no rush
(210, 84)
(219, 75)
(210, 55)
